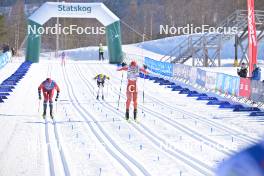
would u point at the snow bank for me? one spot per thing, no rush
(165, 45)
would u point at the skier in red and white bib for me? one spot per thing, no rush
(48, 87)
(133, 71)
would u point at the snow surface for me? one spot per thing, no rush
(165, 45)
(177, 135)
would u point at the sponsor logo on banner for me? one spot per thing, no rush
(257, 91)
(234, 86)
(4, 59)
(244, 87)
(176, 70)
(74, 8)
(220, 82)
(210, 80)
(230, 85)
(182, 71)
(226, 83)
(179, 70)
(186, 71)
(201, 76)
(163, 68)
(193, 75)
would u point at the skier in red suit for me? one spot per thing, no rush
(48, 87)
(133, 71)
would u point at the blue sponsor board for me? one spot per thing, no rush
(257, 91)
(201, 77)
(227, 84)
(210, 82)
(233, 88)
(182, 71)
(4, 59)
(163, 68)
(219, 82)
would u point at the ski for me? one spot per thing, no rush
(137, 121)
(98, 99)
(130, 121)
(45, 116)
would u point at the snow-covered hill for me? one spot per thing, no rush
(164, 46)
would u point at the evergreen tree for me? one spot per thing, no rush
(3, 30)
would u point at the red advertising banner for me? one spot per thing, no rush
(252, 36)
(244, 87)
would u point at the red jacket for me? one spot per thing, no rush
(48, 86)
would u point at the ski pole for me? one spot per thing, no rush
(39, 105)
(56, 106)
(120, 91)
(107, 87)
(143, 93)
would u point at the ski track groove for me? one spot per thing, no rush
(203, 119)
(200, 118)
(59, 147)
(153, 138)
(101, 140)
(63, 159)
(11, 137)
(50, 157)
(195, 135)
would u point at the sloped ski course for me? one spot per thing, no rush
(176, 135)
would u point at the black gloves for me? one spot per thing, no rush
(39, 94)
(57, 96)
(123, 64)
(145, 66)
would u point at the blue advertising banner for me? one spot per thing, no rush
(210, 81)
(220, 82)
(186, 71)
(201, 77)
(227, 84)
(233, 88)
(257, 91)
(163, 68)
(4, 59)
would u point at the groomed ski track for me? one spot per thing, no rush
(176, 135)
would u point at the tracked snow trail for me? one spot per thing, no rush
(240, 124)
(190, 161)
(56, 158)
(94, 161)
(177, 154)
(150, 151)
(176, 136)
(133, 168)
(239, 138)
(206, 120)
